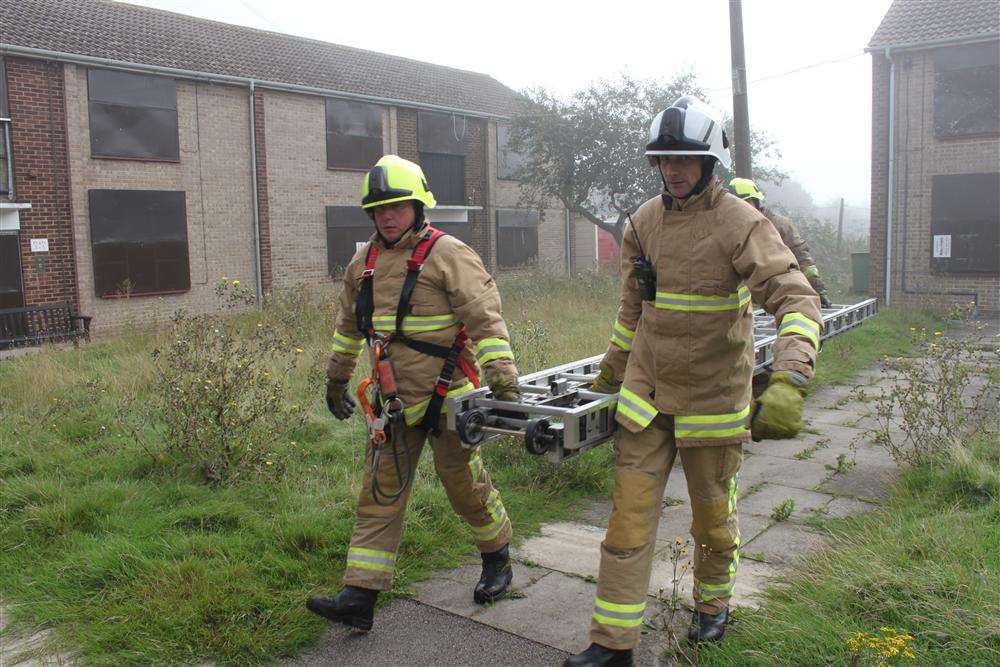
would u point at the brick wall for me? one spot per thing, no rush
(476, 189)
(263, 207)
(214, 172)
(300, 186)
(919, 156)
(41, 178)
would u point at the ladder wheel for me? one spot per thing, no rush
(470, 426)
(537, 439)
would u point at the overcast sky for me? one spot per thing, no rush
(820, 115)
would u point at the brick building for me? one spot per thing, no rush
(146, 154)
(936, 154)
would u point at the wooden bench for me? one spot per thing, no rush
(39, 324)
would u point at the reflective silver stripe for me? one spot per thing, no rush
(624, 615)
(726, 301)
(351, 555)
(718, 426)
(492, 348)
(623, 400)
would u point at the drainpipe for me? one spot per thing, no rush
(890, 177)
(258, 271)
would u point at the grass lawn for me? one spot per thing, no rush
(135, 561)
(927, 563)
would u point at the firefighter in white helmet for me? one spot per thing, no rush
(682, 356)
(429, 313)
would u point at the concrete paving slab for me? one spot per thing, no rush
(782, 543)
(848, 415)
(771, 495)
(572, 548)
(555, 611)
(751, 578)
(676, 522)
(451, 590)
(410, 633)
(764, 468)
(871, 480)
(839, 508)
(831, 396)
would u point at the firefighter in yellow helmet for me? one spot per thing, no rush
(747, 190)
(429, 313)
(682, 356)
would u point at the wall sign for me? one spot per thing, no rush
(942, 246)
(39, 245)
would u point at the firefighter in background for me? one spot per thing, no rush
(682, 355)
(748, 191)
(415, 295)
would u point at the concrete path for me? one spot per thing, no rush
(547, 616)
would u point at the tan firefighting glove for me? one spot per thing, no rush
(338, 400)
(501, 376)
(820, 287)
(777, 413)
(605, 382)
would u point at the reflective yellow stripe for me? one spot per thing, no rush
(725, 425)
(811, 271)
(412, 323)
(371, 559)
(635, 408)
(797, 323)
(414, 413)
(619, 615)
(702, 302)
(498, 514)
(475, 465)
(489, 349)
(342, 343)
(705, 592)
(622, 336)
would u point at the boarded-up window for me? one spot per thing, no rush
(967, 90)
(509, 162)
(132, 115)
(4, 107)
(10, 271)
(517, 237)
(139, 240)
(353, 134)
(441, 140)
(965, 223)
(346, 227)
(445, 177)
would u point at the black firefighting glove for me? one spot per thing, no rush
(338, 400)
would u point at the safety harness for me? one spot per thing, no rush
(365, 308)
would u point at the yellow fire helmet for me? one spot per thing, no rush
(394, 179)
(744, 188)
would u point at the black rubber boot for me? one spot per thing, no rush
(708, 627)
(599, 656)
(352, 606)
(496, 577)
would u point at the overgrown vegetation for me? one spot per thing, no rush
(133, 558)
(925, 565)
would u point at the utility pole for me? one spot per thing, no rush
(840, 224)
(741, 113)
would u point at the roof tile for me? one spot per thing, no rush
(915, 21)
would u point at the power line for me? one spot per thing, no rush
(778, 75)
(266, 20)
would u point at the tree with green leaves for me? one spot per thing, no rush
(587, 151)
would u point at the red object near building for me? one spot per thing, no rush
(607, 249)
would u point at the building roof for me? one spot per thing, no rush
(916, 21)
(142, 35)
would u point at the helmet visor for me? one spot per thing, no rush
(669, 135)
(379, 189)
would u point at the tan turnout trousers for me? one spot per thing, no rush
(643, 462)
(371, 557)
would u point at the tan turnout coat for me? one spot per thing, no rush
(689, 353)
(453, 288)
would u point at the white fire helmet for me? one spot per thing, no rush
(688, 127)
